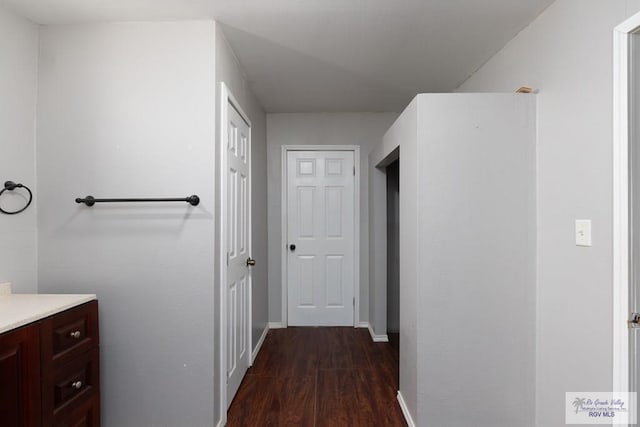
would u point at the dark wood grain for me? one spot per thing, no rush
(356, 397)
(279, 401)
(341, 348)
(290, 352)
(20, 377)
(319, 377)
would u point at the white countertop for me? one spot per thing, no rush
(21, 309)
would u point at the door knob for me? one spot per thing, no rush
(292, 247)
(251, 261)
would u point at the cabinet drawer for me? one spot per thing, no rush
(68, 388)
(86, 414)
(68, 334)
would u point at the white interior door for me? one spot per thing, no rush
(634, 183)
(238, 250)
(320, 234)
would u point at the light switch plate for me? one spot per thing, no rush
(5, 288)
(583, 232)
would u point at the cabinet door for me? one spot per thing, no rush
(87, 414)
(20, 377)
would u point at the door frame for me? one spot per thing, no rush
(622, 289)
(226, 99)
(356, 237)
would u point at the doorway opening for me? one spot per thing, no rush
(384, 244)
(393, 254)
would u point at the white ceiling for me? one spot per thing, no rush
(332, 55)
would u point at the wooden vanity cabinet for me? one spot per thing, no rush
(20, 377)
(50, 371)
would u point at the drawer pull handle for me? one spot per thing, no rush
(77, 385)
(75, 334)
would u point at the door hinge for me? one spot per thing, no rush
(354, 301)
(634, 322)
(354, 171)
(227, 258)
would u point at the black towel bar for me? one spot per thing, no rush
(90, 200)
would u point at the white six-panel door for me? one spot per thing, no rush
(320, 234)
(238, 250)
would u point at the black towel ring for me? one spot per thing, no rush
(10, 186)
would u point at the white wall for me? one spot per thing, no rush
(128, 110)
(362, 129)
(476, 259)
(404, 134)
(567, 54)
(18, 89)
(228, 70)
(467, 257)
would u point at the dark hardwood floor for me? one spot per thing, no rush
(319, 377)
(394, 340)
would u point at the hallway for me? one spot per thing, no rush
(319, 377)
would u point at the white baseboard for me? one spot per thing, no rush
(376, 338)
(5, 288)
(405, 410)
(366, 325)
(276, 325)
(259, 345)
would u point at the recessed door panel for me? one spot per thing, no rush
(242, 215)
(232, 231)
(333, 211)
(232, 319)
(306, 279)
(242, 317)
(306, 167)
(334, 281)
(334, 167)
(305, 212)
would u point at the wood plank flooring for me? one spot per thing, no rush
(319, 377)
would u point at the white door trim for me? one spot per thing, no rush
(621, 220)
(226, 98)
(356, 245)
